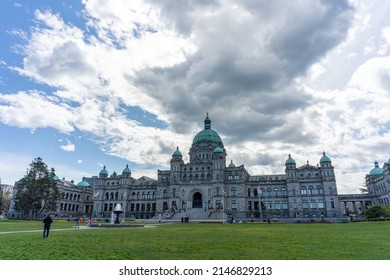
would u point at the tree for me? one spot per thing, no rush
(363, 188)
(5, 198)
(37, 191)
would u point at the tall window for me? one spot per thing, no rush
(321, 203)
(318, 190)
(311, 190)
(313, 204)
(303, 190)
(234, 204)
(283, 191)
(233, 191)
(305, 204)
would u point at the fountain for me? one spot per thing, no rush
(118, 210)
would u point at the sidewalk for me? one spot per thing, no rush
(40, 230)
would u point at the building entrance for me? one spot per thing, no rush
(197, 200)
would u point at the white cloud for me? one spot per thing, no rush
(246, 63)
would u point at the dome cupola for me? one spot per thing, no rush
(177, 153)
(82, 184)
(207, 134)
(290, 160)
(325, 158)
(126, 171)
(376, 171)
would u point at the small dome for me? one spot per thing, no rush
(177, 153)
(104, 171)
(126, 170)
(55, 178)
(290, 160)
(376, 170)
(218, 150)
(231, 165)
(82, 184)
(324, 158)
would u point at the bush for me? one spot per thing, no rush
(377, 211)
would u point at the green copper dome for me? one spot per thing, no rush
(104, 171)
(218, 150)
(207, 134)
(126, 170)
(231, 165)
(177, 153)
(290, 160)
(376, 170)
(83, 184)
(324, 158)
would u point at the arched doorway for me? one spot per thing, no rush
(197, 200)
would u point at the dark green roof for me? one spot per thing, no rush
(207, 134)
(126, 170)
(104, 171)
(324, 158)
(290, 160)
(83, 184)
(376, 171)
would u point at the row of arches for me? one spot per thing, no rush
(71, 196)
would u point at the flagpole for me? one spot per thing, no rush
(259, 192)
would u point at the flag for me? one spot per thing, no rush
(95, 194)
(259, 190)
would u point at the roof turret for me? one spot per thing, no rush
(376, 171)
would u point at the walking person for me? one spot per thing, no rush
(47, 221)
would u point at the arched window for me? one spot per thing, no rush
(143, 195)
(269, 192)
(311, 190)
(116, 195)
(71, 196)
(303, 190)
(276, 190)
(208, 176)
(133, 195)
(196, 177)
(190, 177)
(165, 194)
(283, 191)
(233, 191)
(202, 177)
(148, 196)
(185, 177)
(255, 193)
(111, 195)
(138, 195)
(154, 195)
(318, 189)
(106, 195)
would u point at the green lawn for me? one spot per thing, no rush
(353, 241)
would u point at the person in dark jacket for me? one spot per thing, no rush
(47, 223)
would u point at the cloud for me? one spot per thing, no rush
(254, 66)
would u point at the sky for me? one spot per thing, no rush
(86, 84)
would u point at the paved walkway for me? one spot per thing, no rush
(41, 230)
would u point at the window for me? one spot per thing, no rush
(331, 203)
(305, 204)
(283, 191)
(269, 192)
(183, 192)
(154, 195)
(233, 191)
(311, 190)
(318, 190)
(313, 204)
(276, 190)
(293, 192)
(209, 192)
(234, 205)
(320, 203)
(269, 204)
(294, 204)
(277, 205)
(138, 195)
(284, 205)
(303, 191)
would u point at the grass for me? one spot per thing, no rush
(353, 241)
